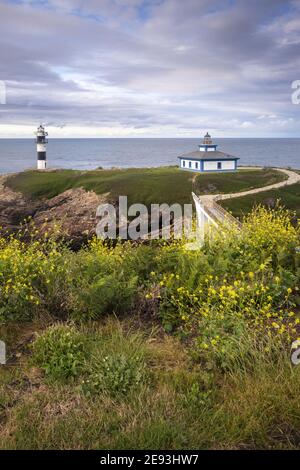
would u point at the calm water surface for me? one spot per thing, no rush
(86, 154)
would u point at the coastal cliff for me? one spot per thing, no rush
(69, 198)
(74, 211)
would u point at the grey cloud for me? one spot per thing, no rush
(147, 64)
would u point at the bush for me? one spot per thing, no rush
(267, 236)
(108, 294)
(102, 282)
(60, 351)
(107, 360)
(29, 278)
(239, 282)
(117, 362)
(115, 374)
(45, 277)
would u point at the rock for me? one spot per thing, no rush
(13, 210)
(270, 202)
(73, 212)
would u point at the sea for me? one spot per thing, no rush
(87, 154)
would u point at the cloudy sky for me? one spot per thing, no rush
(150, 68)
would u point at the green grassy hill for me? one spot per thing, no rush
(288, 196)
(144, 185)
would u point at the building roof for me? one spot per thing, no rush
(215, 155)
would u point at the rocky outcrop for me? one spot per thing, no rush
(73, 212)
(14, 208)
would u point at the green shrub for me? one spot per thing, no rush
(60, 351)
(117, 363)
(267, 236)
(33, 278)
(102, 282)
(115, 375)
(108, 294)
(239, 282)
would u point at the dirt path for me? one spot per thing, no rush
(293, 178)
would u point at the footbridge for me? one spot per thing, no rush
(211, 215)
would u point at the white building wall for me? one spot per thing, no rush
(213, 165)
(41, 147)
(41, 165)
(228, 165)
(208, 165)
(193, 165)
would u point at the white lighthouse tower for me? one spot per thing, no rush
(41, 141)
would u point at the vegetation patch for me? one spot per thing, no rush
(157, 346)
(289, 196)
(143, 185)
(60, 352)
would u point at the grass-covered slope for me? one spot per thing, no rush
(289, 196)
(241, 180)
(176, 405)
(152, 346)
(143, 185)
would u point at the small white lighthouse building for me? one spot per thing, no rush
(41, 141)
(207, 158)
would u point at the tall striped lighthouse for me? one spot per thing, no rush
(41, 141)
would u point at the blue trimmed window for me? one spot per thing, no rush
(219, 165)
(196, 165)
(183, 163)
(190, 164)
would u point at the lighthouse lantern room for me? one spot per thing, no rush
(41, 141)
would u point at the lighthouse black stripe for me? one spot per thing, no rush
(41, 155)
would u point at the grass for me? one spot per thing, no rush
(288, 196)
(235, 182)
(180, 405)
(150, 185)
(153, 346)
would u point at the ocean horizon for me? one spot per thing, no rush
(90, 153)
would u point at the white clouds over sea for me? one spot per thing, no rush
(150, 67)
